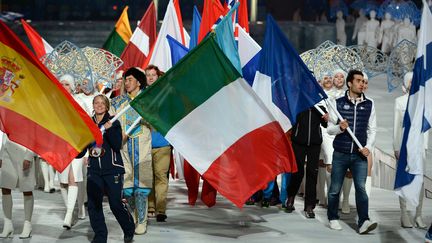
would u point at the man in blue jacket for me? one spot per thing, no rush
(359, 114)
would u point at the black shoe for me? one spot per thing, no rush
(265, 203)
(250, 201)
(289, 208)
(309, 213)
(274, 201)
(52, 190)
(289, 205)
(161, 218)
(128, 238)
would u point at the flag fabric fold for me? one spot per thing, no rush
(225, 38)
(284, 78)
(242, 15)
(178, 51)
(239, 147)
(35, 110)
(196, 22)
(249, 53)
(120, 36)
(212, 12)
(142, 40)
(160, 54)
(39, 44)
(417, 118)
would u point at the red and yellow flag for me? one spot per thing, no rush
(35, 110)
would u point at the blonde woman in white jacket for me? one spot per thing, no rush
(72, 176)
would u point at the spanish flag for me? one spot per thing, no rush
(35, 110)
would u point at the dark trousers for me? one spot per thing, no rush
(112, 185)
(312, 153)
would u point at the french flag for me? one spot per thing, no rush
(283, 81)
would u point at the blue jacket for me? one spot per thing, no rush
(357, 115)
(110, 163)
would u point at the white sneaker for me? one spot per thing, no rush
(334, 225)
(367, 227)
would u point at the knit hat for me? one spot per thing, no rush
(68, 78)
(336, 71)
(325, 74)
(365, 76)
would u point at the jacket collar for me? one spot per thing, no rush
(355, 100)
(105, 118)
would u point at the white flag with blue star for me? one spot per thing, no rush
(418, 117)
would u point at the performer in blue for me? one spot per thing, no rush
(136, 151)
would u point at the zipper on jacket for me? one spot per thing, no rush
(354, 126)
(309, 127)
(296, 133)
(100, 164)
(114, 159)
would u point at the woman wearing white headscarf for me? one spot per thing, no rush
(73, 174)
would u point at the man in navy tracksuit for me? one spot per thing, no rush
(105, 174)
(359, 114)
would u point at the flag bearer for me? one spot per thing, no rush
(105, 174)
(136, 151)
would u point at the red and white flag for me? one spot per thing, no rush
(40, 46)
(142, 40)
(172, 25)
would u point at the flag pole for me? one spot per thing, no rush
(116, 117)
(319, 110)
(329, 104)
(134, 124)
(102, 89)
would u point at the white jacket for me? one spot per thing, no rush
(399, 112)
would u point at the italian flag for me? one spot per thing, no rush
(120, 36)
(208, 112)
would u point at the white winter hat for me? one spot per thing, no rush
(336, 71)
(407, 79)
(68, 78)
(325, 74)
(365, 76)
